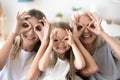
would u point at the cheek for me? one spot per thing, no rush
(68, 47)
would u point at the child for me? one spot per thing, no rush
(62, 57)
(18, 51)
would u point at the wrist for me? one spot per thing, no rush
(14, 33)
(73, 44)
(102, 34)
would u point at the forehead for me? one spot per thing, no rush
(84, 19)
(60, 32)
(32, 20)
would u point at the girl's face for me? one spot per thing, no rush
(60, 45)
(30, 38)
(87, 37)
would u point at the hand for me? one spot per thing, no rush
(76, 26)
(53, 38)
(42, 29)
(22, 24)
(69, 38)
(95, 25)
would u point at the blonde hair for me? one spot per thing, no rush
(98, 41)
(68, 55)
(17, 44)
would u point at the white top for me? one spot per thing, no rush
(16, 69)
(59, 72)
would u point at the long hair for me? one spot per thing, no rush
(17, 44)
(68, 54)
(98, 41)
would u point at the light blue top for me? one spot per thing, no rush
(109, 66)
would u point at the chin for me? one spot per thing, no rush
(61, 52)
(87, 41)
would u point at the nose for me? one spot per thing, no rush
(31, 31)
(86, 30)
(61, 43)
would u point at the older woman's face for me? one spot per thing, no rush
(87, 37)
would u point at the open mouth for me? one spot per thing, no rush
(87, 35)
(29, 37)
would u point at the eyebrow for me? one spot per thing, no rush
(80, 24)
(41, 23)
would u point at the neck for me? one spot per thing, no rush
(61, 56)
(90, 48)
(27, 48)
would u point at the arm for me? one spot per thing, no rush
(5, 49)
(114, 44)
(79, 61)
(44, 61)
(18, 29)
(91, 67)
(34, 71)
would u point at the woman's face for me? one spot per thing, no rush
(30, 38)
(87, 37)
(60, 45)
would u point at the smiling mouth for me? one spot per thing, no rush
(87, 36)
(29, 37)
(61, 48)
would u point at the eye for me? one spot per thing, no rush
(38, 28)
(79, 27)
(92, 26)
(66, 39)
(56, 40)
(25, 25)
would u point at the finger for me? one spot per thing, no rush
(41, 21)
(26, 16)
(92, 22)
(91, 16)
(18, 16)
(77, 17)
(72, 24)
(67, 32)
(70, 32)
(22, 14)
(46, 22)
(91, 29)
(99, 18)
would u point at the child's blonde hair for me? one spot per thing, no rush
(68, 55)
